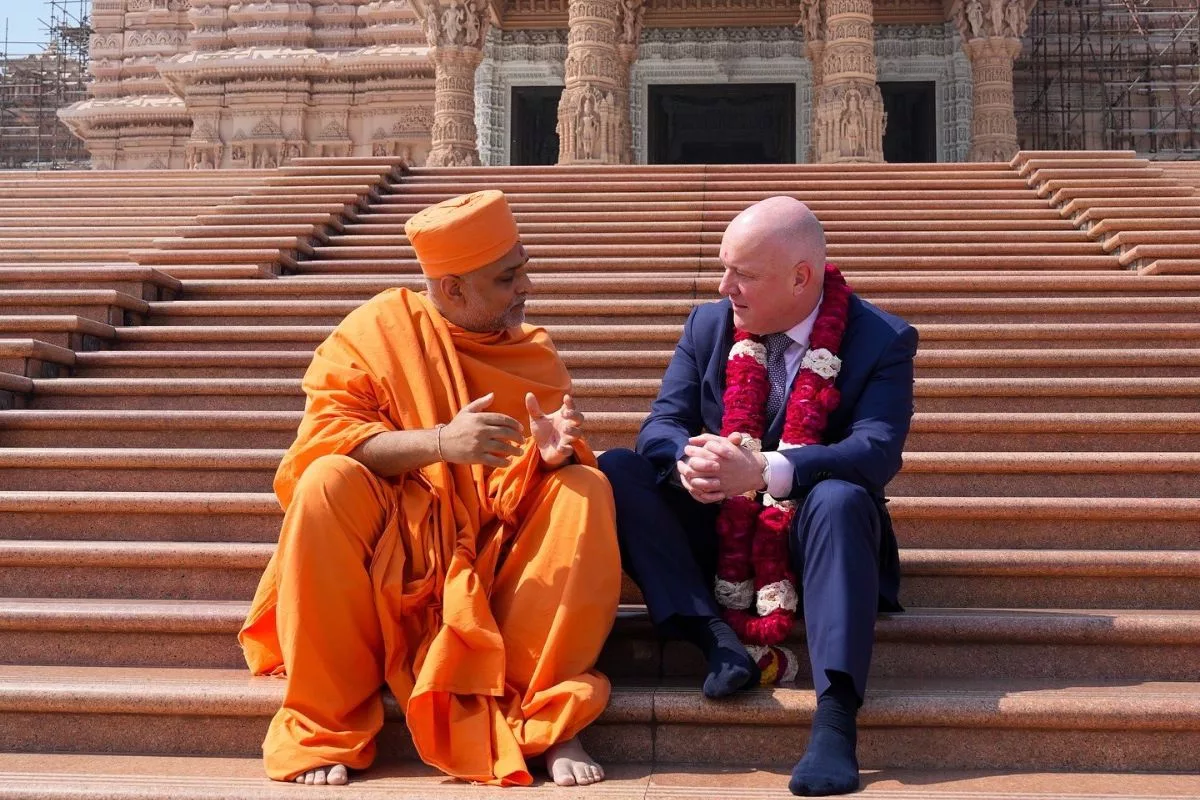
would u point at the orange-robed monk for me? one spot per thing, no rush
(431, 541)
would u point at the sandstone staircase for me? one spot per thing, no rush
(154, 328)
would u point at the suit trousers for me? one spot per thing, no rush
(669, 548)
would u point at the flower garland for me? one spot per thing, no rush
(752, 548)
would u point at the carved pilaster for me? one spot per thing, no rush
(455, 31)
(631, 14)
(593, 115)
(813, 23)
(850, 119)
(992, 31)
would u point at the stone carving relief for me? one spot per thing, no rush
(459, 23)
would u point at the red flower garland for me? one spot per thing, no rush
(752, 535)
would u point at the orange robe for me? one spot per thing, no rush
(480, 597)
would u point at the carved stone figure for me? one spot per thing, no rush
(1015, 17)
(996, 13)
(432, 32)
(975, 18)
(852, 125)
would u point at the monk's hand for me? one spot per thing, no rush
(477, 436)
(727, 467)
(557, 433)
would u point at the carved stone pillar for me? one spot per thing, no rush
(590, 113)
(455, 31)
(992, 31)
(849, 117)
(813, 23)
(629, 35)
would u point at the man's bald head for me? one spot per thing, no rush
(774, 259)
(781, 230)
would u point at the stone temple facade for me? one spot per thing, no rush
(226, 83)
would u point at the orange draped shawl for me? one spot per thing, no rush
(396, 364)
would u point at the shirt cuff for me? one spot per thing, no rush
(779, 479)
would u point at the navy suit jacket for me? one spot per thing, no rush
(864, 437)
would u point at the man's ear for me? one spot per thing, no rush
(803, 275)
(452, 288)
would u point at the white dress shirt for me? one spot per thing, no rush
(779, 469)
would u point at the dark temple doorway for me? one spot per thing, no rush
(911, 134)
(726, 123)
(534, 125)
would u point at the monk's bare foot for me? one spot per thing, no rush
(570, 765)
(325, 776)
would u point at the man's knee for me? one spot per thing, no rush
(839, 509)
(839, 497)
(340, 477)
(581, 480)
(624, 467)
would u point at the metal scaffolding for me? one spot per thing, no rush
(36, 80)
(1111, 75)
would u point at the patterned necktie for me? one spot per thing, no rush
(777, 345)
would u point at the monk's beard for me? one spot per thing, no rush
(511, 318)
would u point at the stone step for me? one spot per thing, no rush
(1142, 253)
(635, 394)
(204, 242)
(921, 522)
(123, 231)
(930, 362)
(1097, 159)
(93, 777)
(999, 724)
(14, 390)
(170, 260)
(1067, 185)
(328, 265)
(243, 271)
(1044, 172)
(1125, 240)
(951, 432)
(970, 212)
(870, 286)
(1181, 213)
(391, 224)
(67, 331)
(1117, 225)
(592, 202)
(65, 252)
(1095, 190)
(1080, 644)
(1128, 205)
(243, 231)
(469, 173)
(645, 337)
(322, 218)
(1172, 266)
(710, 175)
(966, 474)
(649, 311)
(107, 306)
(548, 242)
(145, 283)
(33, 359)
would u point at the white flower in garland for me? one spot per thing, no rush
(749, 347)
(773, 596)
(822, 362)
(735, 595)
(772, 502)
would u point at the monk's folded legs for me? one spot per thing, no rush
(327, 625)
(555, 599)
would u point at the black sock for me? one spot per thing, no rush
(829, 765)
(730, 667)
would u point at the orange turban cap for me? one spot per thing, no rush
(462, 234)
